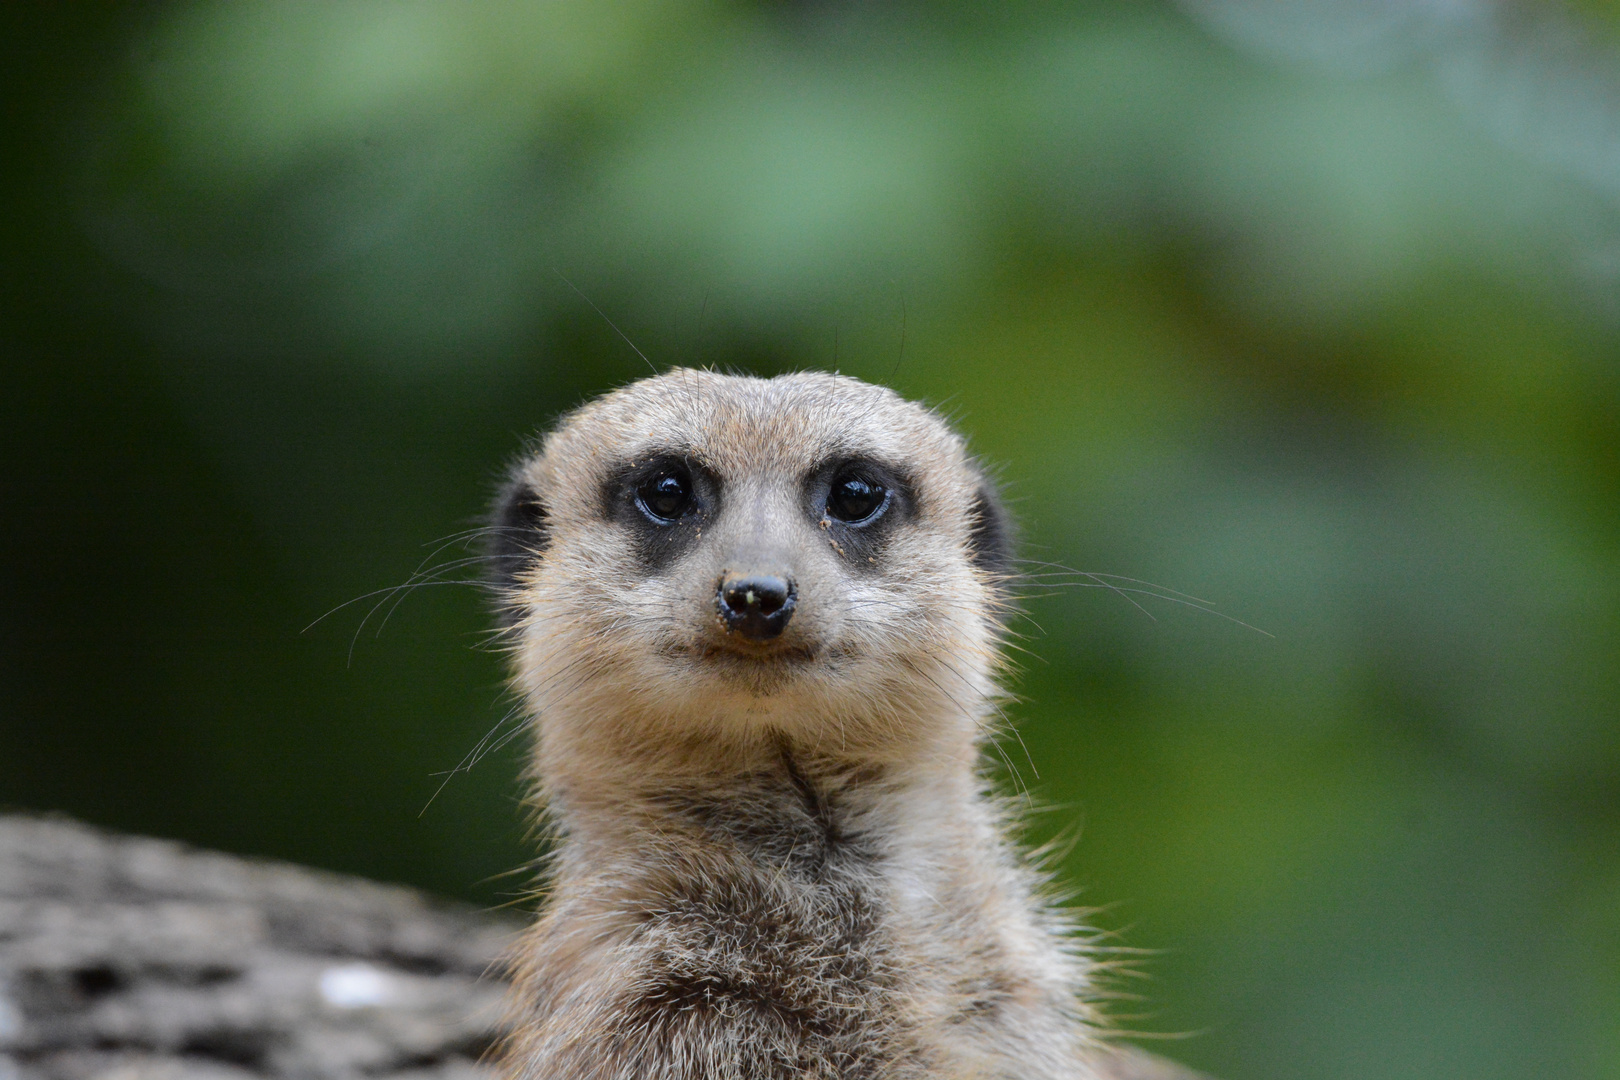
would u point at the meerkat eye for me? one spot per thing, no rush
(855, 499)
(666, 495)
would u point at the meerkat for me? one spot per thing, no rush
(757, 625)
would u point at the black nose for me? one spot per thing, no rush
(757, 607)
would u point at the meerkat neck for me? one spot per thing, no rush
(613, 794)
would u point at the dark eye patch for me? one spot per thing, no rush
(859, 503)
(663, 502)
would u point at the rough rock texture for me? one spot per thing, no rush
(124, 958)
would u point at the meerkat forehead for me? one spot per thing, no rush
(739, 425)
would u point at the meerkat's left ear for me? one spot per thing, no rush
(517, 536)
(991, 539)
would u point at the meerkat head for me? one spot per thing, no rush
(710, 554)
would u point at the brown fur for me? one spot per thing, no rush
(773, 861)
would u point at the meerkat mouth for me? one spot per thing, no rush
(755, 655)
(742, 657)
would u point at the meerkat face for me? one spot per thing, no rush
(709, 549)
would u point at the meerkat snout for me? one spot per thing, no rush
(757, 606)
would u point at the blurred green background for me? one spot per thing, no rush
(1310, 309)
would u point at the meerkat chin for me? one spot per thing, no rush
(756, 625)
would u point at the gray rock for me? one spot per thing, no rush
(125, 958)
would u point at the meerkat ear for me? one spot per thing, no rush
(991, 540)
(518, 533)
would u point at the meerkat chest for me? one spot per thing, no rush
(756, 945)
(765, 894)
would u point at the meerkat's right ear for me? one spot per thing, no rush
(517, 535)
